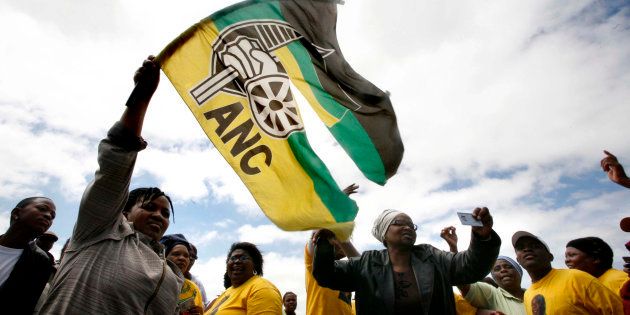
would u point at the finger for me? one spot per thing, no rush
(605, 165)
(609, 154)
(475, 212)
(478, 213)
(484, 214)
(137, 75)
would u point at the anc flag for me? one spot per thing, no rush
(234, 69)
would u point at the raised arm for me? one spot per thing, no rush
(474, 263)
(331, 273)
(615, 171)
(449, 234)
(105, 196)
(346, 246)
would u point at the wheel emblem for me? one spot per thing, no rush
(273, 105)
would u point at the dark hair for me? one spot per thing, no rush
(23, 203)
(193, 251)
(253, 252)
(227, 282)
(287, 293)
(146, 195)
(594, 247)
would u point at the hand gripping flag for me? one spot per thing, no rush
(234, 69)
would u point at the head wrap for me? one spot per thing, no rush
(382, 222)
(513, 263)
(169, 241)
(594, 247)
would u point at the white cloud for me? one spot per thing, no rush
(270, 234)
(533, 90)
(4, 220)
(224, 223)
(203, 239)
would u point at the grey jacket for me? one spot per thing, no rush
(109, 267)
(436, 271)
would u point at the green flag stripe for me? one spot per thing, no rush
(261, 9)
(348, 131)
(342, 208)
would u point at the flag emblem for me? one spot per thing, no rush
(235, 70)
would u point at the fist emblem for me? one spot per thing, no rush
(246, 57)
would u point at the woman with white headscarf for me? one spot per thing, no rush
(405, 278)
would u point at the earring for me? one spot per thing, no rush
(255, 272)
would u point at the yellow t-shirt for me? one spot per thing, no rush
(462, 307)
(256, 296)
(570, 291)
(613, 279)
(189, 296)
(320, 300)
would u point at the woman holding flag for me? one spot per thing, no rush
(114, 263)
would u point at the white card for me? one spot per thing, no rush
(468, 219)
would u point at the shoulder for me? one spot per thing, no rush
(426, 251)
(263, 288)
(575, 274)
(374, 254)
(190, 285)
(481, 289)
(37, 255)
(262, 283)
(613, 273)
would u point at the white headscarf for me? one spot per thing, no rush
(382, 222)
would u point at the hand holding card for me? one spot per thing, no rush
(468, 219)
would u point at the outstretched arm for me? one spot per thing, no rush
(347, 246)
(146, 79)
(474, 263)
(105, 196)
(328, 272)
(615, 170)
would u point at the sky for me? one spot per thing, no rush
(504, 104)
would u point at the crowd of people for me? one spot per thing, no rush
(119, 260)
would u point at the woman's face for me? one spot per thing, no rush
(505, 275)
(577, 259)
(38, 215)
(240, 267)
(180, 256)
(152, 218)
(401, 231)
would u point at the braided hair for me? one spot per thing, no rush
(145, 195)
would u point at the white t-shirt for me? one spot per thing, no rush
(8, 258)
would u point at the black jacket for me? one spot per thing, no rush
(20, 292)
(436, 271)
